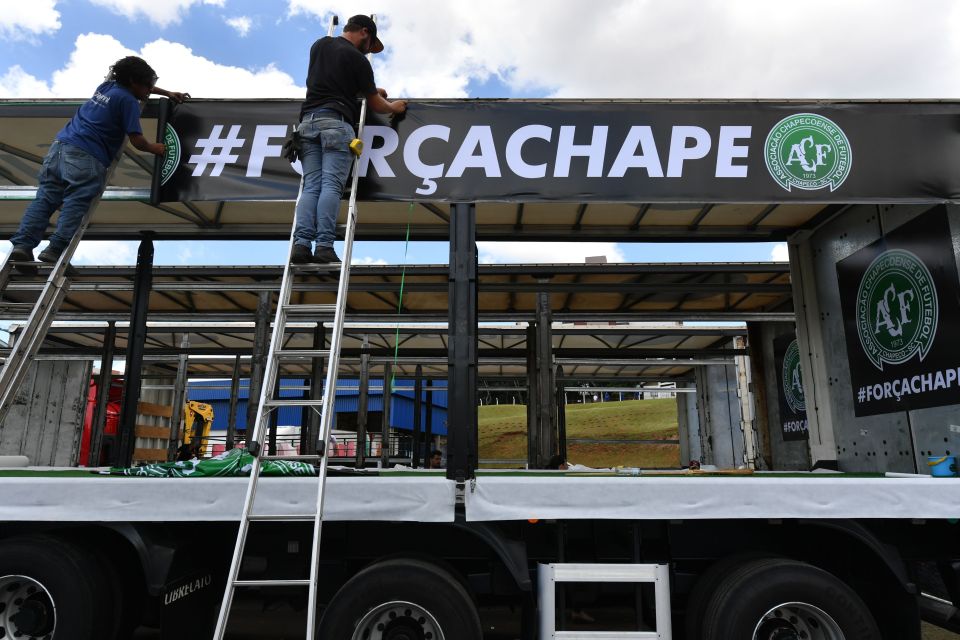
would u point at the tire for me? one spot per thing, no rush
(747, 605)
(51, 588)
(428, 599)
(706, 587)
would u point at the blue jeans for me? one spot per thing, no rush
(70, 179)
(326, 159)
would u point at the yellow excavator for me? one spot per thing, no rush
(197, 420)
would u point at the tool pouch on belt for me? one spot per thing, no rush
(291, 146)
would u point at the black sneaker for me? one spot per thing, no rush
(51, 254)
(21, 254)
(325, 255)
(300, 254)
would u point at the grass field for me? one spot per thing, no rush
(503, 432)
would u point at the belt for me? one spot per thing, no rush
(328, 113)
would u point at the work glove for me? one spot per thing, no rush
(291, 146)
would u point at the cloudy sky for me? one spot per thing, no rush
(453, 48)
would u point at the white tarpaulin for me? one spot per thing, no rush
(701, 498)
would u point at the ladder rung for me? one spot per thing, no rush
(309, 309)
(280, 518)
(293, 402)
(271, 583)
(298, 354)
(292, 456)
(14, 306)
(314, 268)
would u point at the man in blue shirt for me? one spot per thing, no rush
(75, 167)
(338, 75)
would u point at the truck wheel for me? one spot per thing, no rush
(778, 599)
(401, 599)
(707, 584)
(48, 588)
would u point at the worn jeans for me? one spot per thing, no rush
(70, 179)
(326, 159)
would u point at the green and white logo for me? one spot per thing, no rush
(897, 308)
(808, 152)
(791, 379)
(171, 157)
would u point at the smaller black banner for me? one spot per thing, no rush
(793, 406)
(901, 312)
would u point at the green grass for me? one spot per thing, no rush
(503, 432)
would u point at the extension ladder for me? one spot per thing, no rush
(42, 312)
(267, 404)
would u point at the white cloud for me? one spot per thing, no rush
(161, 13)
(655, 49)
(103, 252)
(178, 67)
(241, 24)
(26, 20)
(536, 252)
(367, 260)
(780, 253)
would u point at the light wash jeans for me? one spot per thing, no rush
(70, 179)
(326, 159)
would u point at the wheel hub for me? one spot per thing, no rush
(797, 621)
(27, 611)
(398, 621)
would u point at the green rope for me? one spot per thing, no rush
(403, 277)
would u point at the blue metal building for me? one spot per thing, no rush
(217, 394)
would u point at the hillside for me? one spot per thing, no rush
(503, 432)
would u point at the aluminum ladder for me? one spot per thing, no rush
(267, 404)
(25, 348)
(550, 574)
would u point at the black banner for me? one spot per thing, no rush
(901, 312)
(636, 152)
(793, 406)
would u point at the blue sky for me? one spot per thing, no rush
(536, 48)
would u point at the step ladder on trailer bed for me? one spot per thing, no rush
(267, 404)
(42, 311)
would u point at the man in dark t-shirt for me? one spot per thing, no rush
(75, 167)
(338, 76)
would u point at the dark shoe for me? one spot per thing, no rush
(21, 254)
(325, 255)
(300, 254)
(51, 254)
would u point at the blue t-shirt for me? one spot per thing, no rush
(102, 122)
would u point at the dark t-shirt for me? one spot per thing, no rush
(337, 77)
(102, 122)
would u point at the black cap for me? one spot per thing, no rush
(371, 26)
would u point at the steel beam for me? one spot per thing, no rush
(134, 360)
(462, 344)
(104, 382)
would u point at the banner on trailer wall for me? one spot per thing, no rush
(901, 312)
(474, 151)
(793, 405)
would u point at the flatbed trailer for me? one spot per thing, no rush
(855, 555)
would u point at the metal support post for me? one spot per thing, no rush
(462, 344)
(428, 419)
(417, 408)
(104, 382)
(179, 399)
(561, 400)
(258, 361)
(234, 399)
(136, 337)
(362, 400)
(311, 423)
(533, 400)
(547, 425)
(385, 423)
(274, 421)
